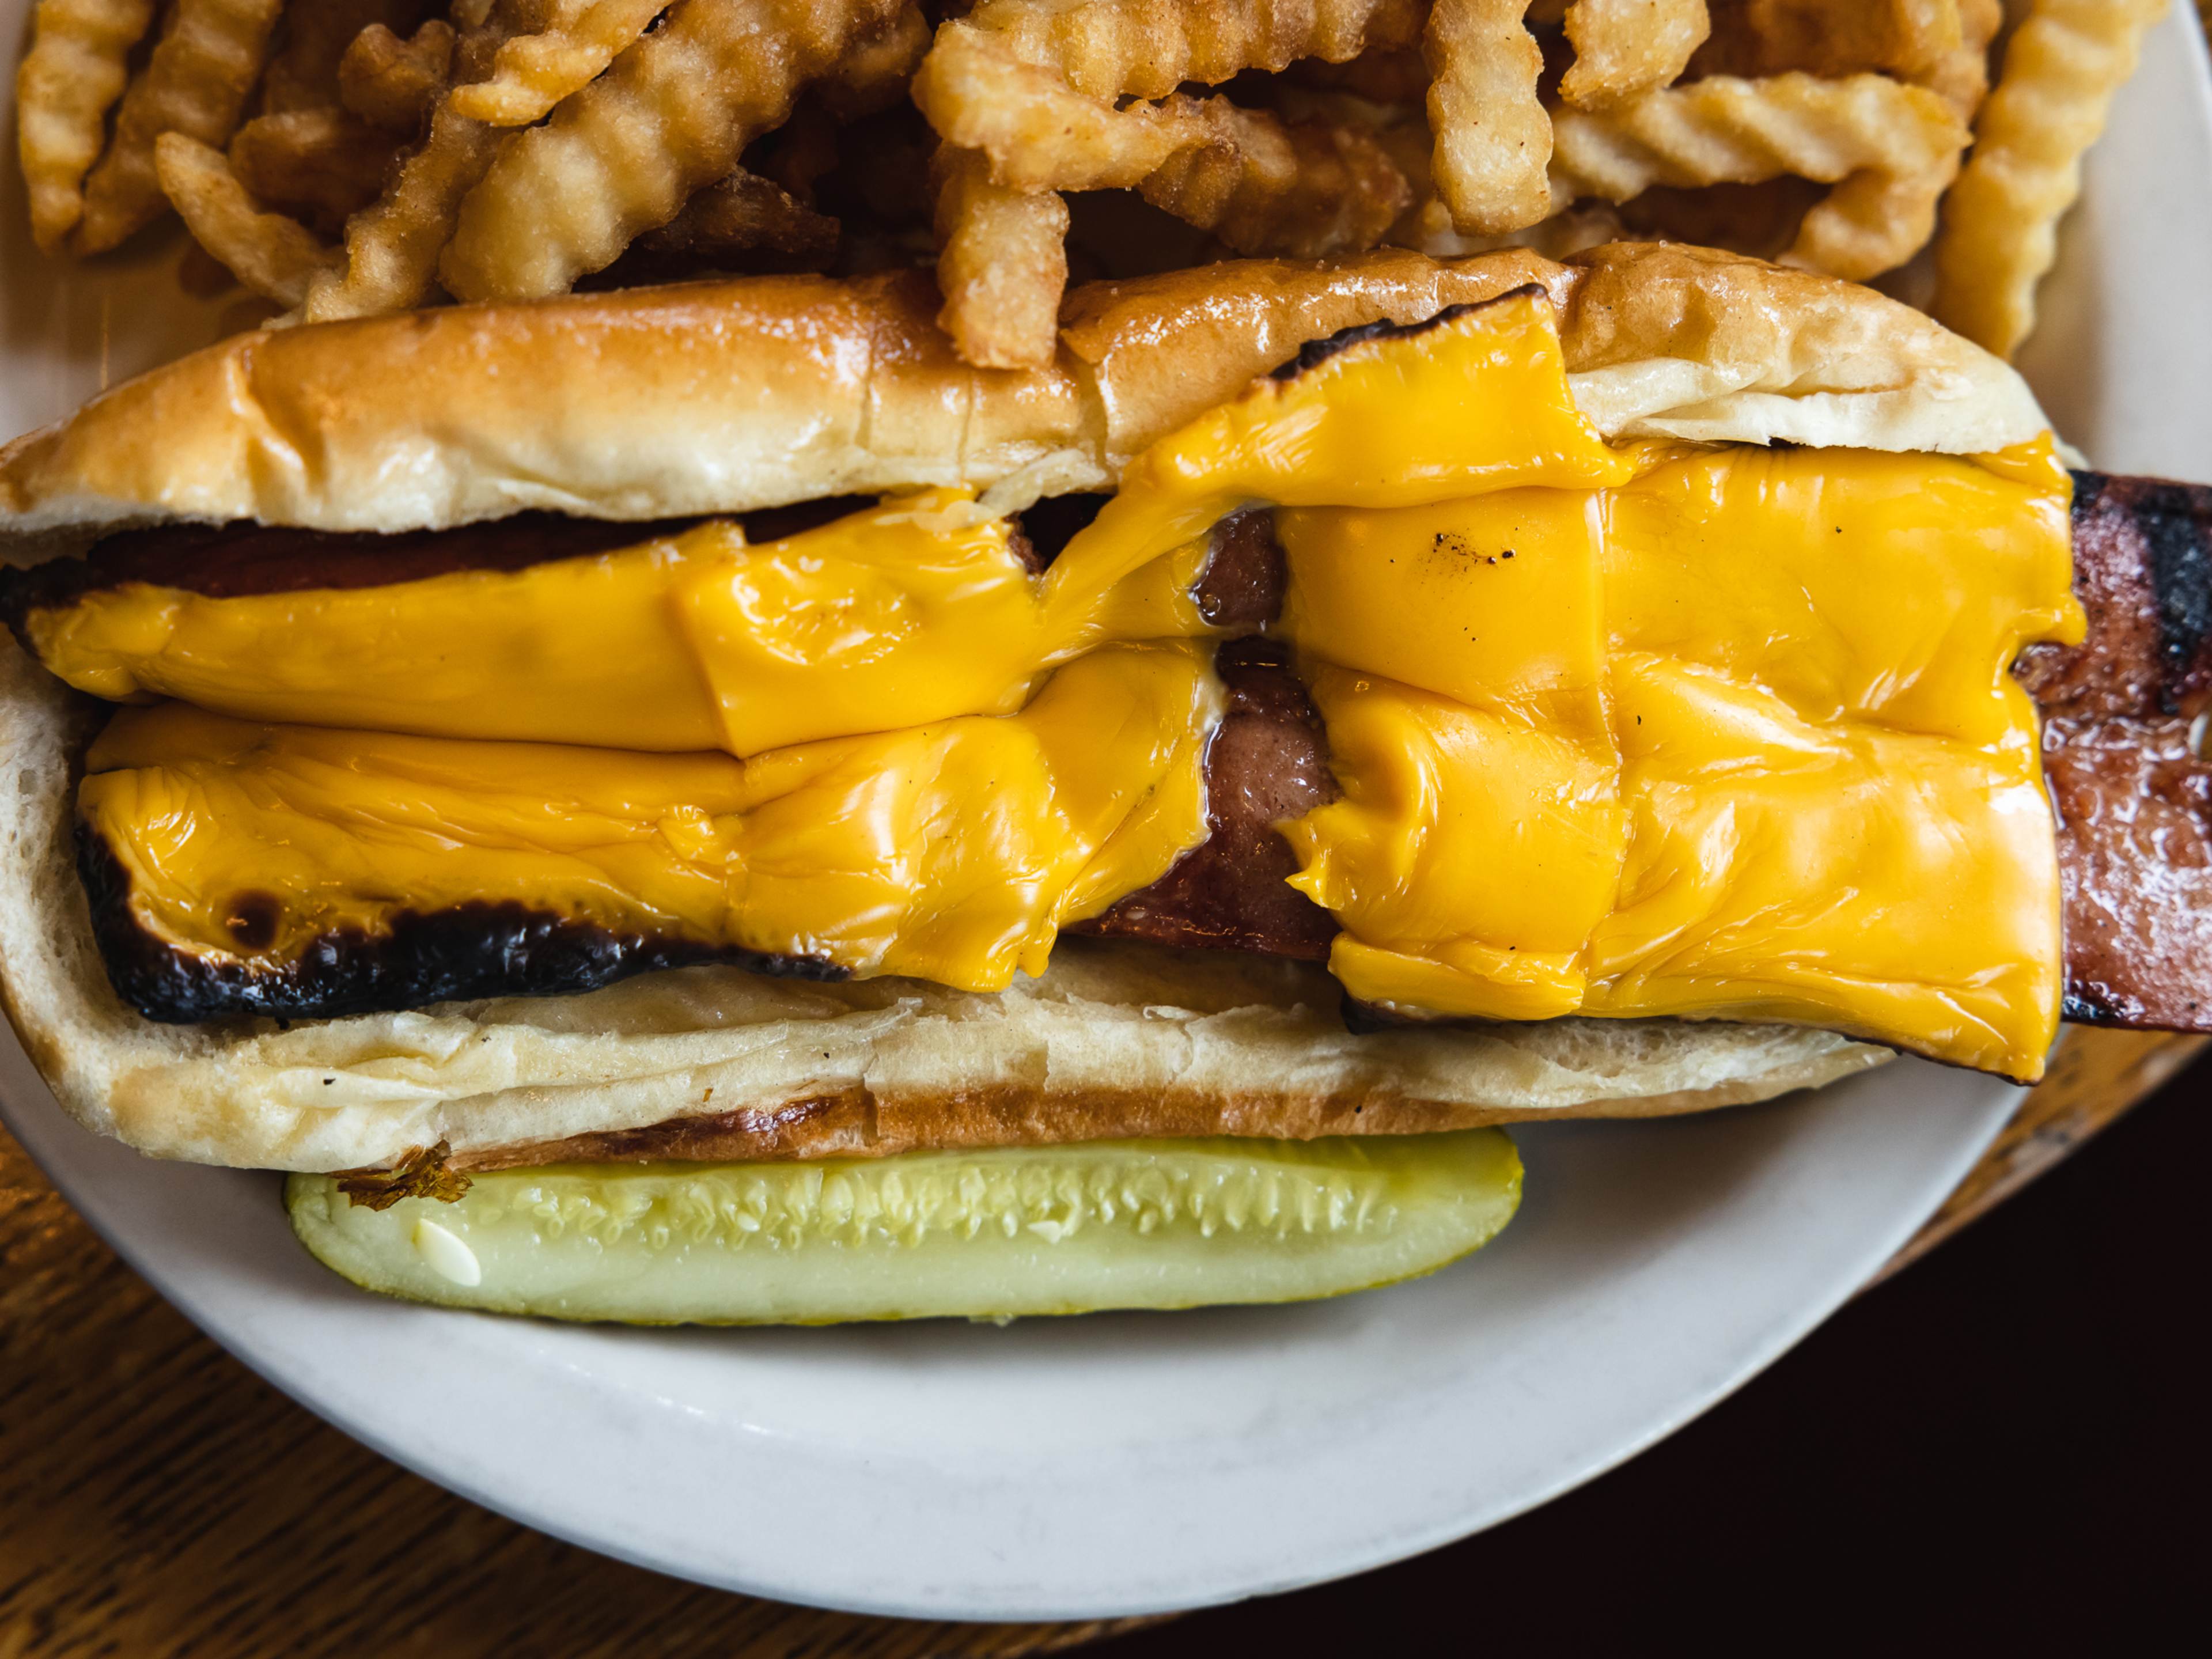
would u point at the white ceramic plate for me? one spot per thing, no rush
(1131, 1463)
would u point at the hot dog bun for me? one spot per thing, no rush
(729, 397)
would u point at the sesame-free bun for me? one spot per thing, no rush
(725, 397)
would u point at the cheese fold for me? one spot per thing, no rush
(952, 852)
(1735, 740)
(918, 609)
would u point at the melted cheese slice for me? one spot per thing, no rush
(1476, 401)
(949, 851)
(914, 611)
(1736, 738)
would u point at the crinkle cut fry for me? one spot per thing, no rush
(1038, 90)
(393, 246)
(1262, 184)
(1890, 148)
(1493, 139)
(2061, 68)
(395, 83)
(574, 41)
(64, 87)
(1002, 264)
(272, 255)
(1623, 47)
(672, 114)
(1941, 45)
(1960, 73)
(745, 210)
(195, 83)
(314, 39)
(325, 164)
(1039, 132)
(874, 71)
(1147, 48)
(1299, 190)
(1040, 94)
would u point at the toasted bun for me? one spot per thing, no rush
(728, 397)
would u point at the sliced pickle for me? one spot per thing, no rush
(1010, 1232)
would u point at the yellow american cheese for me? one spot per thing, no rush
(950, 851)
(1745, 722)
(916, 610)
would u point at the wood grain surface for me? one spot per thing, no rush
(157, 1498)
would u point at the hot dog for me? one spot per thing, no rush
(1161, 625)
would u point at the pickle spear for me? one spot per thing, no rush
(1009, 1231)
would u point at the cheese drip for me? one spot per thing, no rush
(914, 611)
(1734, 739)
(949, 851)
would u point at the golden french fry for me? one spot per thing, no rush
(1002, 265)
(741, 212)
(313, 39)
(322, 164)
(1492, 137)
(1032, 97)
(1623, 47)
(1298, 189)
(1999, 235)
(1960, 74)
(393, 246)
(1147, 48)
(874, 73)
(73, 73)
(394, 83)
(195, 83)
(573, 43)
(272, 255)
(1941, 45)
(1890, 150)
(672, 115)
(1039, 132)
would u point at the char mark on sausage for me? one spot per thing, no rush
(469, 951)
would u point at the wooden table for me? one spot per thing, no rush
(156, 1497)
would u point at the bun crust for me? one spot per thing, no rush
(727, 397)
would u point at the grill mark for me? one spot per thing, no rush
(457, 955)
(1314, 352)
